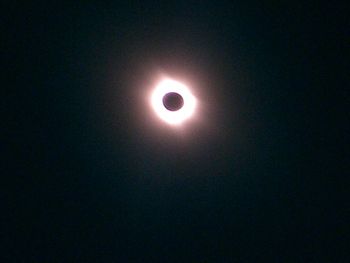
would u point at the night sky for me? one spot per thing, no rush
(90, 175)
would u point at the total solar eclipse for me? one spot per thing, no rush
(173, 102)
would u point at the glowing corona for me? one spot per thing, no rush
(173, 117)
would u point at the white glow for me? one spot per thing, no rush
(173, 117)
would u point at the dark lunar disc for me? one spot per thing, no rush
(173, 101)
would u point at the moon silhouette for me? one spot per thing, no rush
(173, 101)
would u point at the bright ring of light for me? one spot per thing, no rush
(173, 117)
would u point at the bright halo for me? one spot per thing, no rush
(180, 115)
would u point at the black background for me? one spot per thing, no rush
(88, 176)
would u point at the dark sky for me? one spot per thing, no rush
(90, 176)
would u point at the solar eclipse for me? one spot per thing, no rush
(173, 102)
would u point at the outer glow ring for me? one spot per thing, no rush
(173, 117)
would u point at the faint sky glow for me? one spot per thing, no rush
(173, 117)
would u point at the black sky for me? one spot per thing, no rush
(88, 176)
